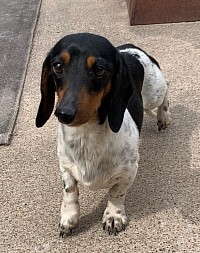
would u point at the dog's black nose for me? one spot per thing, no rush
(65, 115)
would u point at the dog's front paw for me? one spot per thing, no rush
(67, 224)
(69, 219)
(114, 221)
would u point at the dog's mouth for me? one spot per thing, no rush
(64, 121)
(70, 124)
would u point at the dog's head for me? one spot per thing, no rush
(91, 80)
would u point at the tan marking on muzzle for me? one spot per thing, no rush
(61, 92)
(89, 103)
(107, 90)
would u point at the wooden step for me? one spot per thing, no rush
(163, 11)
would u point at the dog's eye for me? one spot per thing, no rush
(58, 68)
(99, 71)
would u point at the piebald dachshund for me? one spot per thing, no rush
(102, 93)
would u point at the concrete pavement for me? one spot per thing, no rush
(163, 204)
(18, 20)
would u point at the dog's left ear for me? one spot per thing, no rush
(47, 87)
(122, 92)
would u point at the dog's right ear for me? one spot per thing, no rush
(47, 89)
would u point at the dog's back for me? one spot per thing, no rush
(155, 87)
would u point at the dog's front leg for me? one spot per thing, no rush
(70, 209)
(114, 218)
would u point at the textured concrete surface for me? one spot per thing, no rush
(18, 20)
(163, 204)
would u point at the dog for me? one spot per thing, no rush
(102, 93)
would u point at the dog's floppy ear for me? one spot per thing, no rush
(122, 92)
(47, 94)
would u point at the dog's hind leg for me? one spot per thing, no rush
(163, 114)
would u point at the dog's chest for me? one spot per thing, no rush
(86, 151)
(86, 156)
(96, 159)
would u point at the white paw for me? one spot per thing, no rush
(69, 219)
(114, 221)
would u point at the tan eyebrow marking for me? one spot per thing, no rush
(90, 61)
(65, 57)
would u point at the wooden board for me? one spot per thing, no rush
(163, 11)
